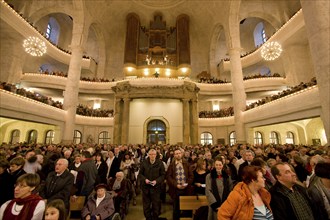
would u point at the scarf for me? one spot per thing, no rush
(214, 186)
(116, 185)
(29, 204)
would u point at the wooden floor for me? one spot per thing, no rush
(136, 212)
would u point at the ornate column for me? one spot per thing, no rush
(239, 96)
(194, 122)
(186, 121)
(316, 15)
(117, 122)
(125, 121)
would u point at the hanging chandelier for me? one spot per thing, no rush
(271, 51)
(34, 46)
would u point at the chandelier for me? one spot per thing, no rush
(34, 46)
(271, 51)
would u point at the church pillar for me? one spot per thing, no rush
(186, 121)
(239, 96)
(117, 122)
(71, 93)
(194, 123)
(125, 121)
(316, 15)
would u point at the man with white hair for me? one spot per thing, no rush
(59, 183)
(119, 188)
(151, 175)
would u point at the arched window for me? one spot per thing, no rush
(273, 137)
(206, 138)
(77, 137)
(32, 137)
(259, 34)
(232, 138)
(52, 31)
(104, 138)
(49, 137)
(289, 137)
(258, 138)
(14, 137)
(156, 132)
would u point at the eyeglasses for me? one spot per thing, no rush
(20, 186)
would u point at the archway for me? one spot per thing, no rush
(156, 132)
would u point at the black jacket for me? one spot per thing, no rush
(58, 187)
(155, 171)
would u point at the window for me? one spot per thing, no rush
(206, 138)
(52, 31)
(258, 138)
(15, 135)
(273, 138)
(232, 138)
(289, 137)
(32, 137)
(48, 31)
(259, 34)
(49, 137)
(104, 138)
(77, 137)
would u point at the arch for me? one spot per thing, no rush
(49, 137)
(267, 17)
(274, 137)
(32, 137)
(104, 138)
(232, 138)
(159, 118)
(15, 136)
(77, 137)
(215, 47)
(289, 139)
(258, 138)
(37, 15)
(206, 138)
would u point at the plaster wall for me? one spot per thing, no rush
(142, 109)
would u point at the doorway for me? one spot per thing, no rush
(156, 132)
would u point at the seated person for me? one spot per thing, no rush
(99, 206)
(118, 189)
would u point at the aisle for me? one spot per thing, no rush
(136, 212)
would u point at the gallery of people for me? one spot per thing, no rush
(164, 109)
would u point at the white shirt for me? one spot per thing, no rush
(99, 200)
(16, 209)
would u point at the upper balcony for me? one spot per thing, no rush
(23, 27)
(287, 31)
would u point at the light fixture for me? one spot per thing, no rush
(271, 50)
(34, 46)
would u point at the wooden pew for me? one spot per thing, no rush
(78, 205)
(192, 203)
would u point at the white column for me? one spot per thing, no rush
(316, 15)
(186, 121)
(117, 122)
(125, 121)
(239, 96)
(194, 123)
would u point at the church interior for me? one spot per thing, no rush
(174, 72)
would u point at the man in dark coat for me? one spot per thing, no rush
(179, 178)
(59, 183)
(289, 200)
(86, 176)
(151, 175)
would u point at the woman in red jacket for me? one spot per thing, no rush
(249, 199)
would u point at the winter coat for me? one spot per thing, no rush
(105, 209)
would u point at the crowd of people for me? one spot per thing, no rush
(88, 111)
(241, 181)
(283, 93)
(226, 112)
(31, 95)
(62, 74)
(54, 73)
(259, 75)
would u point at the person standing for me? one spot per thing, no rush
(59, 184)
(151, 175)
(289, 200)
(179, 178)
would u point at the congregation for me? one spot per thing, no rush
(265, 174)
